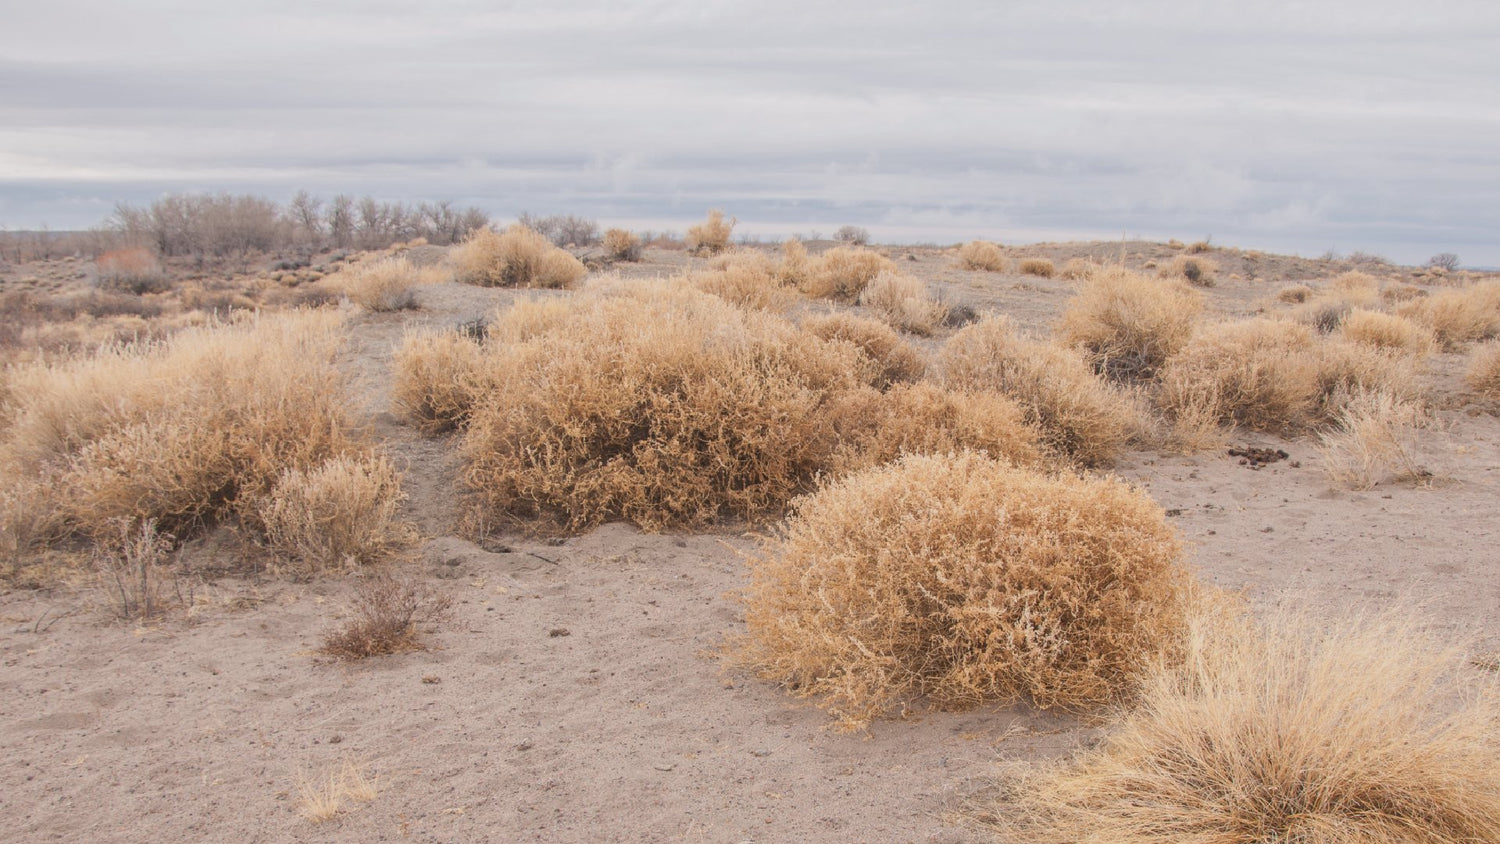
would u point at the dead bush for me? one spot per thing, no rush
(711, 236)
(1261, 374)
(184, 430)
(795, 264)
(344, 513)
(843, 273)
(1198, 247)
(519, 257)
(1458, 316)
(962, 580)
(1294, 294)
(1077, 269)
(1387, 331)
(1483, 375)
(747, 283)
(384, 284)
(1079, 416)
(436, 379)
(622, 245)
(1369, 731)
(1129, 324)
(1197, 271)
(983, 255)
(656, 404)
(856, 235)
(1038, 267)
(894, 360)
(1359, 290)
(385, 616)
(874, 427)
(133, 270)
(905, 303)
(1373, 438)
(133, 571)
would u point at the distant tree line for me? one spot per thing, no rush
(224, 225)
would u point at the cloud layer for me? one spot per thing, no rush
(1346, 126)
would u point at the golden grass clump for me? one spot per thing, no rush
(983, 255)
(323, 798)
(1077, 269)
(656, 404)
(1458, 316)
(711, 236)
(1294, 294)
(622, 245)
(1078, 415)
(1195, 270)
(1483, 375)
(1374, 437)
(1360, 290)
(842, 273)
(1038, 267)
(1387, 331)
(436, 379)
(905, 303)
(893, 359)
(1358, 732)
(963, 580)
(874, 427)
(519, 257)
(1128, 324)
(184, 430)
(344, 513)
(385, 284)
(749, 283)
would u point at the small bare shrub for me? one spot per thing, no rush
(1458, 316)
(1128, 324)
(894, 360)
(341, 514)
(1444, 260)
(1079, 415)
(904, 303)
(711, 236)
(385, 615)
(622, 245)
(1387, 331)
(1364, 732)
(385, 284)
(842, 273)
(1483, 375)
(562, 230)
(1373, 437)
(436, 381)
(983, 255)
(519, 257)
(963, 580)
(1294, 294)
(132, 270)
(1197, 271)
(1038, 267)
(854, 235)
(133, 571)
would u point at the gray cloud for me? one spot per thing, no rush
(1345, 125)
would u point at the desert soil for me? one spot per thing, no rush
(574, 694)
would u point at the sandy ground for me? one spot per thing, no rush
(573, 694)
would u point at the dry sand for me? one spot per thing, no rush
(573, 695)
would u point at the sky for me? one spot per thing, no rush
(1297, 127)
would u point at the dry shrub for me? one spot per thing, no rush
(184, 430)
(711, 236)
(341, 514)
(1078, 415)
(1483, 375)
(1196, 271)
(1363, 732)
(1038, 267)
(622, 245)
(1387, 331)
(1198, 247)
(519, 257)
(1398, 293)
(795, 265)
(321, 798)
(436, 381)
(963, 580)
(842, 273)
(874, 427)
(1360, 290)
(385, 284)
(1077, 269)
(133, 270)
(895, 360)
(982, 255)
(656, 404)
(750, 283)
(1374, 437)
(133, 572)
(384, 618)
(1458, 316)
(1294, 294)
(905, 303)
(1261, 374)
(1129, 324)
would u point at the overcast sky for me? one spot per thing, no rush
(1293, 126)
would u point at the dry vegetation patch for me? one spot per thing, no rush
(963, 580)
(518, 257)
(896, 361)
(1458, 316)
(1195, 270)
(343, 513)
(435, 381)
(622, 245)
(983, 255)
(711, 236)
(1129, 324)
(842, 273)
(1367, 732)
(385, 617)
(1387, 331)
(874, 427)
(1373, 437)
(905, 303)
(1038, 267)
(1483, 375)
(384, 284)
